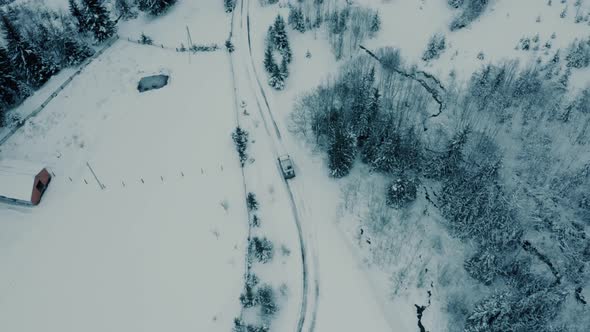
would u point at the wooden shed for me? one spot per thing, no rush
(22, 181)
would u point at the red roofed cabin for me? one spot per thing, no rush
(22, 181)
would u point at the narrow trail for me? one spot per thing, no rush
(310, 293)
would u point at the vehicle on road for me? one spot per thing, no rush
(286, 167)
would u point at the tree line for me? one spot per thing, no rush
(496, 168)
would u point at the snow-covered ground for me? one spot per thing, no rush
(155, 250)
(408, 25)
(162, 246)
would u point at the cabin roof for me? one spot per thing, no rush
(17, 178)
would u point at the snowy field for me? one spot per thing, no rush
(155, 250)
(157, 240)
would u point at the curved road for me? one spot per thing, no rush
(310, 279)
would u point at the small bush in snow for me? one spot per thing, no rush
(524, 44)
(455, 3)
(240, 137)
(204, 48)
(248, 298)
(255, 221)
(267, 299)
(285, 251)
(254, 328)
(229, 46)
(401, 192)
(251, 202)
(436, 46)
(146, 40)
(239, 325)
(229, 5)
(261, 248)
(375, 24)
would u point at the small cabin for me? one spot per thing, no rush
(22, 181)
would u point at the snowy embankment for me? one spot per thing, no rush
(156, 249)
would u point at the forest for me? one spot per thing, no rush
(495, 156)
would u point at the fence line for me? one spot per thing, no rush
(55, 93)
(194, 49)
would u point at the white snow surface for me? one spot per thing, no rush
(155, 250)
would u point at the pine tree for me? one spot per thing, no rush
(269, 61)
(155, 7)
(296, 19)
(78, 15)
(387, 156)
(280, 34)
(10, 91)
(29, 65)
(97, 20)
(341, 152)
(375, 24)
(240, 138)
(361, 97)
(284, 70)
(286, 52)
(276, 78)
(125, 9)
(366, 119)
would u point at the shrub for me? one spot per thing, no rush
(255, 328)
(401, 192)
(267, 299)
(251, 201)
(229, 46)
(255, 221)
(248, 298)
(155, 7)
(455, 3)
(229, 5)
(144, 39)
(240, 137)
(261, 249)
(436, 46)
(239, 325)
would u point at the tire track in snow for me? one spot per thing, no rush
(295, 210)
